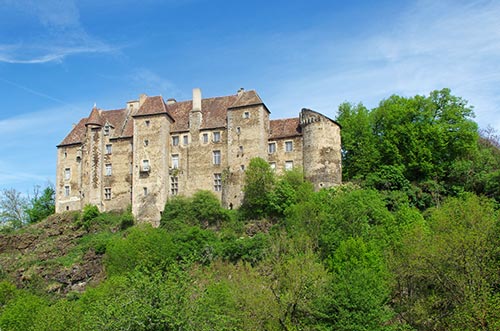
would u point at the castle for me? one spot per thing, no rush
(151, 150)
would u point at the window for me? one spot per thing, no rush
(108, 149)
(147, 123)
(288, 165)
(66, 191)
(106, 130)
(288, 146)
(65, 154)
(185, 140)
(216, 137)
(238, 130)
(246, 114)
(145, 190)
(175, 140)
(205, 138)
(217, 182)
(107, 193)
(108, 169)
(174, 185)
(145, 165)
(272, 148)
(175, 161)
(67, 173)
(217, 157)
(146, 142)
(272, 165)
(241, 150)
(242, 167)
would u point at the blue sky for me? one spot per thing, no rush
(58, 57)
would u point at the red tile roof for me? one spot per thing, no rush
(214, 115)
(284, 128)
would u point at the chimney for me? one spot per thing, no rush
(240, 91)
(171, 101)
(142, 98)
(196, 99)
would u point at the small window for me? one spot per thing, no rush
(238, 130)
(272, 165)
(145, 165)
(107, 193)
(175, 140)
(217, 157)
(175, 161)
(288, 146)
(67, 173)
(288, 165)
(78, 159)
(174, 185)
(65, 154)
(147, 123)
(205, 138)
(246, 114)
(185, 140)
(108, 149)
(217, 182)
(108, 170)
(146, 142)
(242, 167)
(106, 130)
(66, 191)
(240, 152)
(216, 137)
(145, 191)
(272, 148)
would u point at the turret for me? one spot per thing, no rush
(321, 149)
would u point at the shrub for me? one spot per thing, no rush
(88, 215)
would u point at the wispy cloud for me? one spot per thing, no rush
(147, 80)
(39, 133)
(433, 44)
(56, 33)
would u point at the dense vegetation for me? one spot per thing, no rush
(411, 241)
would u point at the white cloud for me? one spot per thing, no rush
(28, 152)
(434, 44)
(57, 33)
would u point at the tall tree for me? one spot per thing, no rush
(12, 208)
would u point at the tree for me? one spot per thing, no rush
(424, 136)
(12, 208)
(41, 206)
(259, 183)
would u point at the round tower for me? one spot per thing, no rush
(321, 149)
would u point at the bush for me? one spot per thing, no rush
(88, 215)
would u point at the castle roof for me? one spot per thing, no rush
(214, 115)
(285, 128)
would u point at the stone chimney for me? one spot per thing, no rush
(142, 98)
(196, 99)
(240, 91)
(195, 116)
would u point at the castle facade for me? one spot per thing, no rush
(153, 149)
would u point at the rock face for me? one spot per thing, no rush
(46, 254)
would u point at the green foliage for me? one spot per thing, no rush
(290, 189)
(259, 184)
(41, 207)
(203, 208)
(247, 249)
(447, 271)
(12, 209)
(360, 288)
(88, 216)
(21, 312)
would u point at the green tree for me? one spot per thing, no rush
(41, 205)
(259, 184)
